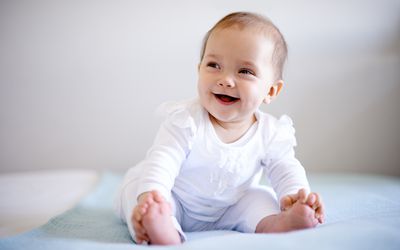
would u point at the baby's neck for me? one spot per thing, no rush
(229, 132)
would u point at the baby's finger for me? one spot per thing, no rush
(302, 195)
(320, 209)
(142, 208)
(138, 228)
(140, 232)
(138, 240)
(141, 239)
(148, 199)
(317, 203)
(320, 217)
(157, 196)
(141, 235)
(320, 214)
(311, 200)
(136, 216)
(286, 202)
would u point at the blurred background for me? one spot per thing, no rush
(80, 80)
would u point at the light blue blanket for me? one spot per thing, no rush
(363, 212)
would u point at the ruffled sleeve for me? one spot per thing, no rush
(179, 114)
(282, 135)
(283, 170)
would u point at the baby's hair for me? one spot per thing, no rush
(248, 19)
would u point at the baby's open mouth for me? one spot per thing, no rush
(226, 98)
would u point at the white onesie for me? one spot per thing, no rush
(210, 183)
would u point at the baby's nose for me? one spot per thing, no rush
(226, 82)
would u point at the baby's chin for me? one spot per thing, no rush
(222, 118)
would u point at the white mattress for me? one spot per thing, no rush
(30, 199)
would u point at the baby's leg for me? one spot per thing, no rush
(159, 225)
(299, 216)
(247, 212)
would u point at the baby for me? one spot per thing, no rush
(204, 168)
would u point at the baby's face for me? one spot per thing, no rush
(235, 74)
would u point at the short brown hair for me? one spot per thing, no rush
(248, 19)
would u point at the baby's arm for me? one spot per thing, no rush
(313, 200)
(158, 170)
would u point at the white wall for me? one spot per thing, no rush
(79, 80)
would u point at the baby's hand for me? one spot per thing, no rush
(313, 200)
(289, 200)
(144, 201)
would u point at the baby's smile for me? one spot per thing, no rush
(226, 99)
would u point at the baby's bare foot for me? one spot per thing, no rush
(299, 216)
(158, 224)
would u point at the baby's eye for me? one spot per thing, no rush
(246, 72)
(213, 65)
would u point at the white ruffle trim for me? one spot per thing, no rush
(178, 114)
(285, 131)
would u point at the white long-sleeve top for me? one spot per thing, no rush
(207, 175)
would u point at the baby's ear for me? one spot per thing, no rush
(274, 91)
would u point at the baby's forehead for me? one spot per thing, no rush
(251, 33)
(266, 31)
